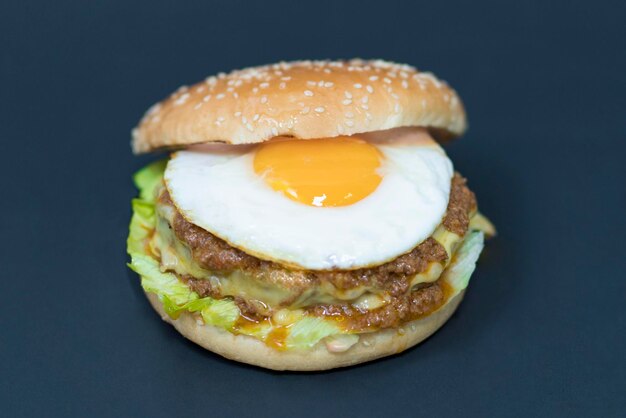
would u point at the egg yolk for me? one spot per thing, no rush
(320, 172)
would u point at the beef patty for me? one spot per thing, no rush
(419, 302)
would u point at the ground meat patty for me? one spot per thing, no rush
(214, 254)
(461, 204)
(400, 309)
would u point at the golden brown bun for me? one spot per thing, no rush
(304, 99)
(252, 351)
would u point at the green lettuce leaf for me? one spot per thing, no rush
(308, 331)
(148, 178)
(141, 224)
(221, 312)
(165, 285)
(174, 310)
(460, 270)
(143, 220)
(259, 331)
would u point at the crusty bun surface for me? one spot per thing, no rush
(249, 350)
(304, 99)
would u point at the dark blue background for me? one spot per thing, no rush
(542, 330)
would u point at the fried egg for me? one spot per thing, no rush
(330, 203)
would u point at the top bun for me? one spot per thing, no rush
(303, 99)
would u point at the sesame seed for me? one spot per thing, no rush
(364, 106)
(220, 96)
(236, 95)
(305, 110)
(405, 85)
(285, 78)
(348, 95)
(237, 114)
(274, 131)
(320, 83)
(282, 85)
(431, 78)
(329, 84)
(198, 106)
(255, 90)
(387, 80)
(250, 128)
(368, 116)
(395, 96)
(373, 78)
(310, 83)
(264, 99)
(200, 89)
(181, 100)
(347, 102)
(256, 117)
(221, 119)
(350, 123)
(396, 108)
(358, 86)
(365, 99)
(369, 89)
(308, 93)
(319, 109)
(153, 109)
(349, 114)
(230, 89)
(264, 85)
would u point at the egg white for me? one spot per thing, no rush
(216, 188)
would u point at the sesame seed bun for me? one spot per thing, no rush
(304, 99)
(250, 350)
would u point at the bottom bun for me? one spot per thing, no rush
(250, 350)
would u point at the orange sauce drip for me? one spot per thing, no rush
(277, 338)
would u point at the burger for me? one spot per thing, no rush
(307, 217)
